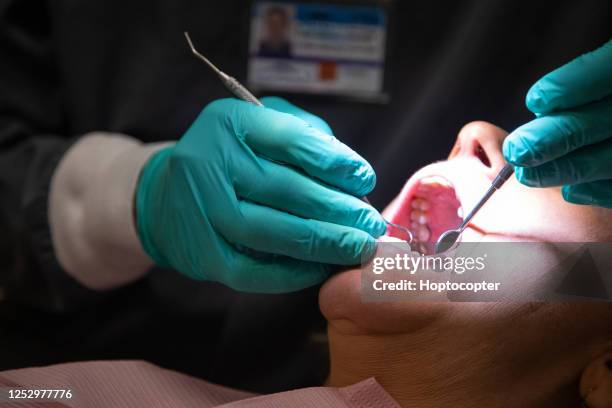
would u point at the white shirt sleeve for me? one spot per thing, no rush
(91, 207)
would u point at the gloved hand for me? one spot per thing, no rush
(269, 179)
(570, 141)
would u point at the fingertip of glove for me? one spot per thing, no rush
(519, 172)
(573, 197)
(375, 226)
(512, 150)
(379, 226)
(355, 247)
(313, 274)
(318, 274)
(322, 274)
(533, 177)
(508, 150)
(534, 100)
(538, 100)
(369, 249)
(517, 149)
(366, 177)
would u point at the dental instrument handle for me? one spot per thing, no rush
(503, 175)
(231, 83)
(239, 90)
(499, 181)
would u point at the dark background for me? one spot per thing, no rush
(68, 67)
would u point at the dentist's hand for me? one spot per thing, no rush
(570, 141)
(246, 179)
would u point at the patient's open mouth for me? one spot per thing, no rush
(430, 208)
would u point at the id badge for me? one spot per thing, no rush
(318, 48)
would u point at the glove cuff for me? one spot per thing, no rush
(149, 199)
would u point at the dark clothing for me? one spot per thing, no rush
(68, 67)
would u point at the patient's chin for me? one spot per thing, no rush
(338, 299)
(342, 305)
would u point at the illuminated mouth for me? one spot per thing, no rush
(429, 208)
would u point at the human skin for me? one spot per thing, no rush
(441, 354)
(277, 25)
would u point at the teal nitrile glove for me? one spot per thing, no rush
(570, 141)
(263, 179)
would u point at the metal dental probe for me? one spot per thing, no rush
(391, 224)
(230, 83)
(240, 92)
(448, 239)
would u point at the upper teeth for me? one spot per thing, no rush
(419, 218)
(435, 180)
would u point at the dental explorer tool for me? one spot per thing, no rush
(240, 92)
(391, 224)
(230, 83)
(448, 239)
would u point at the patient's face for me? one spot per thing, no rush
(433, 200)
(435, 197)
(423, 348)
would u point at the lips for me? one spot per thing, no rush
(428, 207)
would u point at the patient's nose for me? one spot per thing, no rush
(483, 141)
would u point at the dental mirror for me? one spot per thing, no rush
(448, 238)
